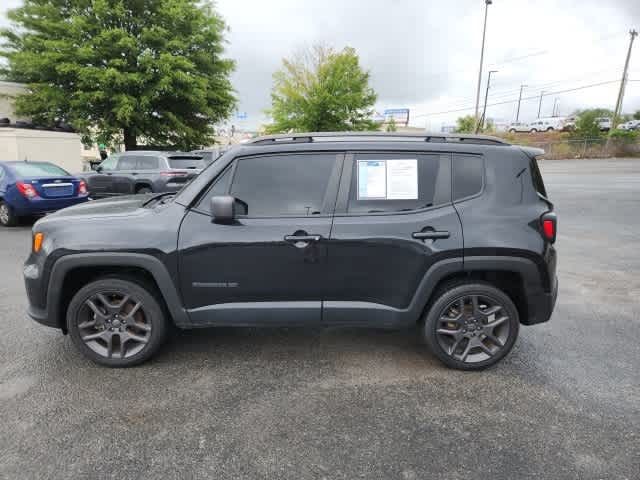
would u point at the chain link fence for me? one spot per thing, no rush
(588, 148)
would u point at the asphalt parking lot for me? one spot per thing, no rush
(347, 403)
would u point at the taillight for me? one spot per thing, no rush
(549, 225)
(173, 173)
(26, 190)
(82, 188)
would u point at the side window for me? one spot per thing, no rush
(127, 162)
(468, 175)
(1, 173)
(147, 163)
(399, 182)
(110, 163)
(219, 187)
(293, 184)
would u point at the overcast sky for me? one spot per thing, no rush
(424, 54)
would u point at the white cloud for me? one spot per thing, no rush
(423, 54)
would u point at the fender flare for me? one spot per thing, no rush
(149, 263)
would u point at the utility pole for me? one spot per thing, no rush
(555, 106)
(623, 82)
(484, 32)
(540, 103)
(480, 124)
(519, 100)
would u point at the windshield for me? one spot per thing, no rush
(38, 170)
(187, 162)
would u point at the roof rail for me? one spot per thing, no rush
(376, 137)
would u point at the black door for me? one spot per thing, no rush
(394, 220)
(100, 183)
(269, 266)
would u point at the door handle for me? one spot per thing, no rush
(302, 238)
(431, 235)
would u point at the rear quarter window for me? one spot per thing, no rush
(468, 175)
(187, 162)
(536, 177)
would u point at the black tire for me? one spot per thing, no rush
(512, 130)
(444, 299)
(533, 130)
(550, 129)
(149, 314)
(143, 189)
(7, 217)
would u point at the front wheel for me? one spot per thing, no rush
(116, 322)
(471, 326)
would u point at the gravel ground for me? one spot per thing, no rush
(346, 403)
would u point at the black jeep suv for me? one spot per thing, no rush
(451, 233)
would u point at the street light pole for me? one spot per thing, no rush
(484, 32)
(540, 103)
(480, 124)
(519, 100)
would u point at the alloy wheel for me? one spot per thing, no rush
(114, 325)
(473, 328)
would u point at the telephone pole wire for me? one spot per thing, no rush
(484, 32)
(623, 82)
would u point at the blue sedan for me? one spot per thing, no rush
(36, 188)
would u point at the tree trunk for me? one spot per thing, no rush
(130, 140)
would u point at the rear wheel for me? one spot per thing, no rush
(533, 130)
(116, 322)
(471, 326)
(512, 130)
(144, 189)
(7, 217)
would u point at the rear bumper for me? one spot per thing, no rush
(541, 305)
(40, 206)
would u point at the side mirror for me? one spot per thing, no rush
(98, 168)
(225, 208)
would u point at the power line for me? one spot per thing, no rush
(523, 99)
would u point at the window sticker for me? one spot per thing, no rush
(402, 179)
(388, 179)
(372, 175)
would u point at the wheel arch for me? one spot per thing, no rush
(71, 272)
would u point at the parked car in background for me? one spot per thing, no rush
(630, 125)
(569, 124)
(604, 123)
(143, 172)
(518, 127)
(36, 188)
(547, 124)
(210, 155)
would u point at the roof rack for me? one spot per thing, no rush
(376, 137)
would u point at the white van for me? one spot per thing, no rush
(547, 124)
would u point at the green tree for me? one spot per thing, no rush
(120, 71)
(636, 115)
(322, 90)
(391, 126)
(466, 124)
(586, 124)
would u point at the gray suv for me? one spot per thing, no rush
(143, 172)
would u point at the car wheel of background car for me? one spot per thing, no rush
(550, 129)
(533, 130)
(143, 189)
(116, 322)
(471, 326)
(7, 218)
(512, 130)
